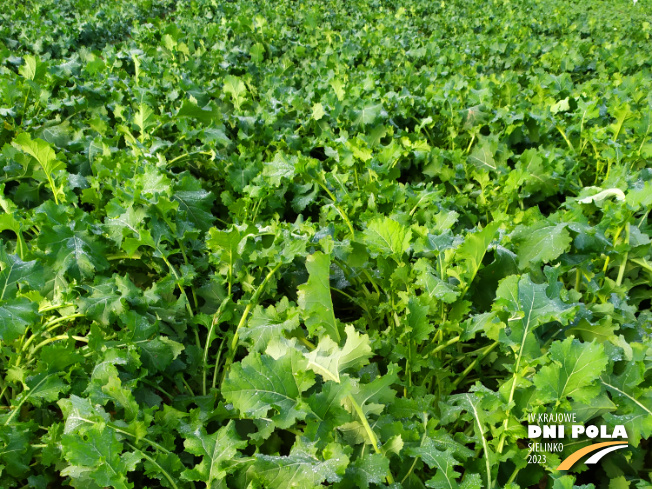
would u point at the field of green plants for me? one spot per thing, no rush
(276, 244)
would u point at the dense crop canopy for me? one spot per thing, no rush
(274, 244)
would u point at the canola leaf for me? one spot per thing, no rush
(433, 286)
(104, 303)
(195, 202)
(573, 373)
(41, 151)
(386, 236)
(560, 106)
(442, 461)
(633, 402)
(541, 243)
(79, 413)
(482, 156)
(417, 321)
(236, 88)
(374, 396)
(330, 361)
(326, 410)
(43, 388)
(75, 252)
(603, 195)
(98, 454)
(206, 114)
(267, 324)
(314, 297)
(15, 272)
(105, 384)
(144, 118)
(530, 306)
(299, 469)
(16, 451)
(368, 114)
(262, 387)
(318, 111)
(370, 469)
(159, 352)
(282, 167)
(15, 316)
(126, 224)
(28, 69)
(215, 451)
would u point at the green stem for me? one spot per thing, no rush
(22, 401)
(516, 470)
(217, 362)
(123, 256)
(183, 292)
(626, 395)
(621, 270)
(341, 212)
(153, 462)
(370, 433)
(49, 326)
(4, 389)
(423, 439)
(209, 338)
(254, 299)
(561, 131)
(441, 346)
(57, 338)
(55, 306)
(54, 190)
(642, 263)
(484, 444)
(186, 155)
(477, 360)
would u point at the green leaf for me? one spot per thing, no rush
(43, 388)
(41, 151)
(573, 372)
(158, 353)
(15, 316)
(260, 385)
(104, 303)
(482, 156)
(315, 297)
(105, 384)
(74, 252)
(330, 361)
(633, 400)
(299, 469)
(529, 306)
(267, 324)
(195, 202)
(28, 69)
(216, 451)
(370, 469)
(97, 454)
(540, 243)
(16, 272)
(318, 111)
(386, 236)
(368, 114)
(561, 106)
(442, 461)
(236, 87)
(143, 119)
(281, 167)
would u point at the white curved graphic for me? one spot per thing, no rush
(594, 459)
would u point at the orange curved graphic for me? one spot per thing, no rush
(575, 456)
